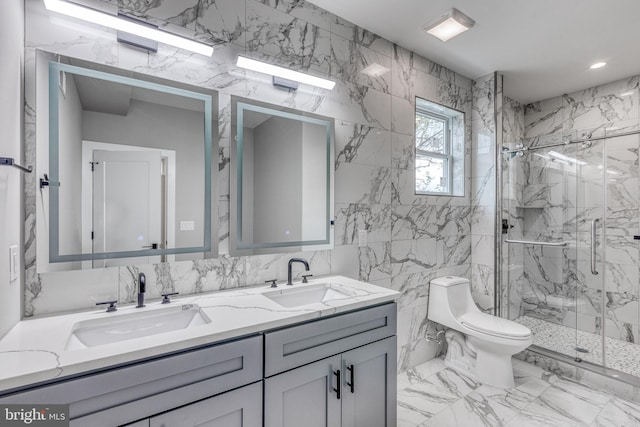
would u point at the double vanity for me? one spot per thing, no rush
(323, 352)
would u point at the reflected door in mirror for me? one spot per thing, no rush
(127, 204)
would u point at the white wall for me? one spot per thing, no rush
(276, 182)
(70, 149)
(11, 101)
(247, 185)
(153, 125)
(314, 177)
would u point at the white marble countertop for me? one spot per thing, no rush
(35, 350)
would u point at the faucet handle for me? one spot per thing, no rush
(273, 282)
(112, 305)
(304, 277)
(165, 297)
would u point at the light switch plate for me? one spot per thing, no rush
(187, 225)
(14, 263)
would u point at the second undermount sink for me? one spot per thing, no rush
(317, 293)
(122, 327)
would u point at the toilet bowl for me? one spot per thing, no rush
(480, 345)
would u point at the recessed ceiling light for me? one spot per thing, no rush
(375, 70)
(598, 65)
(449, 25)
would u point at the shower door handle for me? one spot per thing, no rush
(594, 223)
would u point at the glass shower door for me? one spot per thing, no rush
(614, 290)
(539, 249)
(590, 220)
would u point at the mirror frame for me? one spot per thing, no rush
(238, 106)
(112, 74)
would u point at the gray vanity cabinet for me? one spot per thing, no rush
(354, 383)
(304, 396)
(237, 408)
(140, 390)
(320, 394)
(371, 369)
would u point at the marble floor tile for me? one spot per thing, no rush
(432, 395)
(618, 413)
(538, 418)
(474, 410)
(574, 407)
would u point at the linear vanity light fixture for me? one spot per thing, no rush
(450, 25)
(127, 26)
(285, 73)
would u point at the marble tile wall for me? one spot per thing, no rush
(512, 266)
(558, 201)
(487, 105)
(411, 239)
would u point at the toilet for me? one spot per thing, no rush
(480, 345)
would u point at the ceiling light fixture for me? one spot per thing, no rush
(598, 65)
(285, 73)
(375, 70)
(127, 26)
(450, 25)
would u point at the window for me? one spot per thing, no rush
(439, 149)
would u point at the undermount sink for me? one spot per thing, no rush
(317, 293)
(123, 327)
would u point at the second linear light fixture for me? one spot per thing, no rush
(126, 26)
(449, 25)
(283, 73)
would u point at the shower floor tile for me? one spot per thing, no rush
(619, 355)
(431, 395)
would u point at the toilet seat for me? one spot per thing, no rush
(495, 326)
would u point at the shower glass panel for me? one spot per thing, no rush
(571, 270)
(619, 275)
(540, 248)
(588, 272)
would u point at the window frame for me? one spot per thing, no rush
(447, 156)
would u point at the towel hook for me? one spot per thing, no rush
(9, 161)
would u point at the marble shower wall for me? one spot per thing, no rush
(487, 128)
(512, 265)
(559, 201)
(411, 239)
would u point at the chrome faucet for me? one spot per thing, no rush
(142, 287)
(291, 261)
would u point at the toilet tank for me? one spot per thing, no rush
(449, 298)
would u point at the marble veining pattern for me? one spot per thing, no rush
(374, 150)
(38, 350)
(540, 398)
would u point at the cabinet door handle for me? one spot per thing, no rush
(352, 374)
(339, 382)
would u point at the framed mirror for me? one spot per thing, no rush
(129, 176)
(281, 179)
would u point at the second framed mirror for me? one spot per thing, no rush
(281, 179)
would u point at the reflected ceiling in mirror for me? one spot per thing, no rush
(130, 167)
(282, 194)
